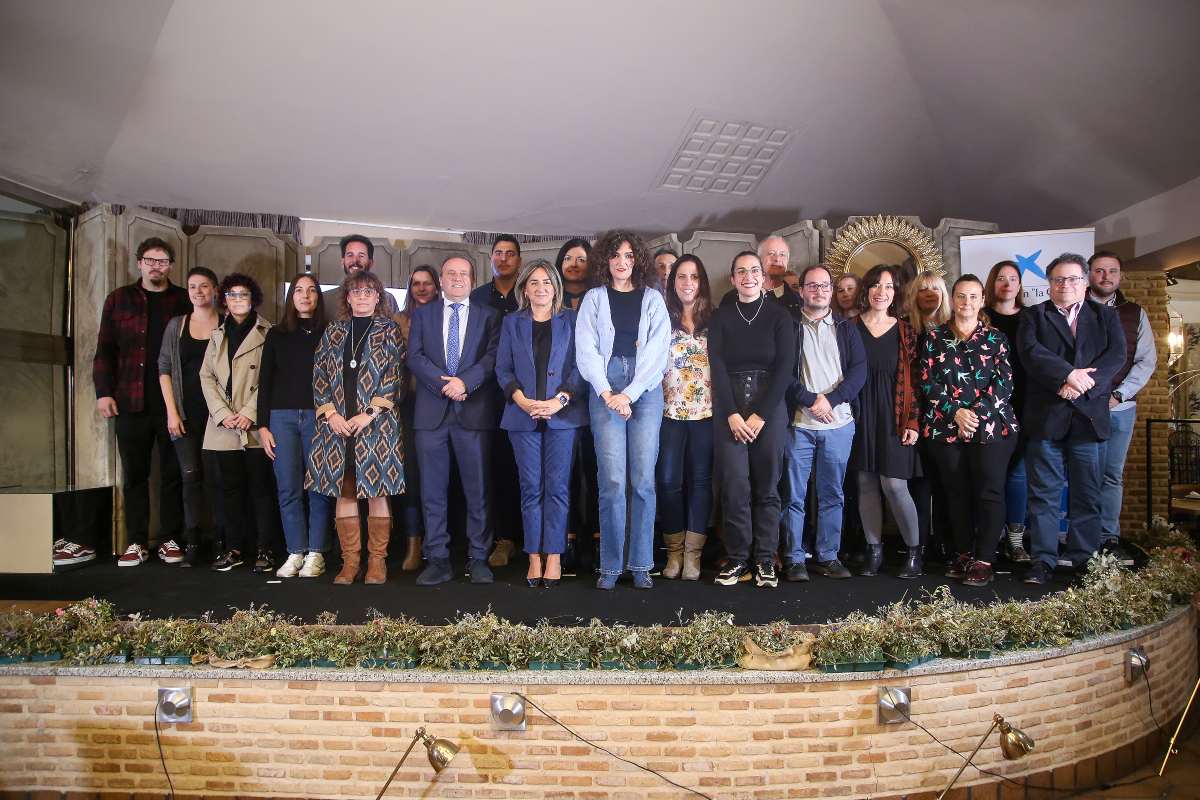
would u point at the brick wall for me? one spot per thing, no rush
(1148, 289)
(804, 738)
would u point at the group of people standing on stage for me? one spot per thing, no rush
(587, 403)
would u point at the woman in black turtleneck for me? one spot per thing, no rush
(752, 354)
(288, 423)
(229, 379)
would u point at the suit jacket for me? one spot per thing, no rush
(1049, 352)
(515, 369)
(476, 367)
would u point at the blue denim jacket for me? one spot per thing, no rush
(594, 335)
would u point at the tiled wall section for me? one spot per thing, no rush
(815, 739)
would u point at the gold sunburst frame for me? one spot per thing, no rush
(856, 236)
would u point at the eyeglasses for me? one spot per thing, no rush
(1069, 280)
(742, 272)
(156, 262)
(818, 287)
(237, 295)
(363, 292)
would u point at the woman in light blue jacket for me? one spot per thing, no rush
(622, 339)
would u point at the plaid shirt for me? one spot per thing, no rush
(119, 368)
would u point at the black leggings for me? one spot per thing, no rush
(248, 485)
(974, 476)
(196, 468)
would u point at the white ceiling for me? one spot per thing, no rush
(561, 115)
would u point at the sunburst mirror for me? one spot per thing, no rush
(884, 240)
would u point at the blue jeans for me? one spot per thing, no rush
(1112, 462)
(293, 431)
(626, 452)
(544, 468)
(1016, 488)
(1051, 465)
(829, 451)
(685, 466)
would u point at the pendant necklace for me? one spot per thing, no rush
(358, 346)
(761, 299)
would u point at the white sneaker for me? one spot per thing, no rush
(314, 566)
(291, 567)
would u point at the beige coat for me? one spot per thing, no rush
(214, 376)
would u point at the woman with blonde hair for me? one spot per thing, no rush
(928, 301)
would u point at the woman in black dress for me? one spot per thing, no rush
(885, 417)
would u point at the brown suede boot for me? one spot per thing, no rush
(693, 546)
(379, 531)
(349, 533)
(412, 557)
(674, 543)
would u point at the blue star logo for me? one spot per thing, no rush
(1029, 264)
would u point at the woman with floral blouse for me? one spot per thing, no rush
(970, 425)
(685, 451)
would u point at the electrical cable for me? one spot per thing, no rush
(592, 744)
(162, 758)
(1150, 701)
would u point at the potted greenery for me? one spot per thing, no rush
(91, 634)
(478, 641)
(388, 642)
(908, 640)
(247, 639)
(855, 644)
(166, 641)
(16, 633)
(555, 647)
(709, 640)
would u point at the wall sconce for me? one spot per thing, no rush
(508, 711)
(1137, 664)
(174, 705)
(893, 705)
(1014, 743)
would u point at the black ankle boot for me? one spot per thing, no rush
(872, 561)
(914, 566)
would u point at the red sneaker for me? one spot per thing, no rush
(133, 556)
(170, 552)
(67, 553)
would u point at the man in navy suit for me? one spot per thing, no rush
(1071, 348)
(452, 355)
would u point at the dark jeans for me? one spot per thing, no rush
(684, 474)
(584, 518)
(1051, 465)
(407, 507)
(544, 461)
(974, 474)
(248, 485)
(929, 495)
(749, 477)
(137, 433)
(199, 471)
(505, 507)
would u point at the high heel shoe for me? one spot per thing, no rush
(534, 582)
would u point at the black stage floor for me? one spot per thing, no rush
(158, 590)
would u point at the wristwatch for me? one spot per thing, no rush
(563, 398)
(372, 411)
(1118, 397)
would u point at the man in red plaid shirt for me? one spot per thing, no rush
(125, 371)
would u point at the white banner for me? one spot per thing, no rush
(1032, 251)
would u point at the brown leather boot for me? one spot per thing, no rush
(674, 543)
(349, 533)
(693, 546)
(412, 557)
(379, 531)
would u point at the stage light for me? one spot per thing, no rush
(1137, 664)
(508, 711)
(894, 704)
(174, 705)
(1014, 744)
(440, 751)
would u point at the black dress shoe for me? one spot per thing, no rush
(1039, 574)
(534, 582)
(480, 571)
(437, 571)
(796, 573)
(191, 555)
(549, 583)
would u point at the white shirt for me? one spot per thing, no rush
(462, 321)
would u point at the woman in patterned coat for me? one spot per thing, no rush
(969, 425)
(358, 451)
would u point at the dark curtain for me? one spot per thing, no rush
(486, 237)
(192, 218)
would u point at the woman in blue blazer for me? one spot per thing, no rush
(535, 367)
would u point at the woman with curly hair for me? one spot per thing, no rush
(358, 451)
(885, 419)
(621, 343)
(686, 442)
(229, 379)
